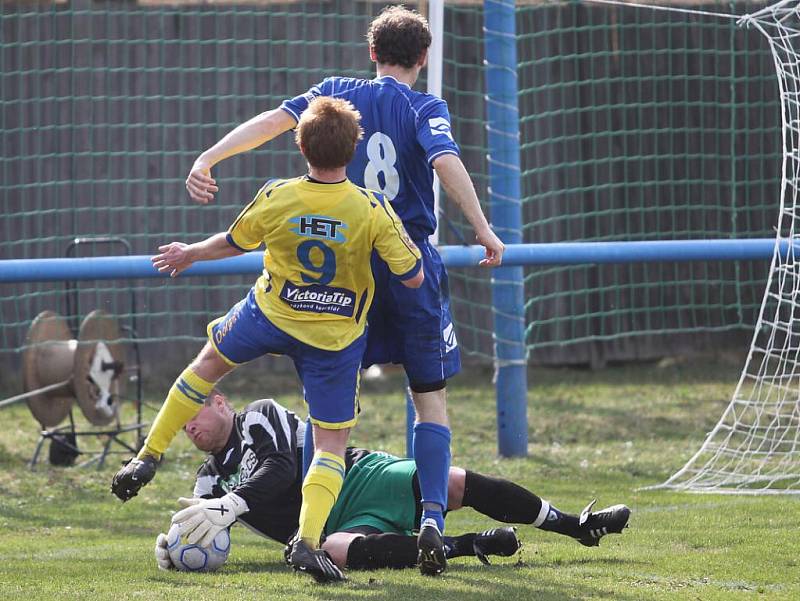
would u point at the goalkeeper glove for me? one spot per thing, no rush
(133, 475)
(203, 519)
(162, 553)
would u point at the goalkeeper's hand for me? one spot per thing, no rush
(203, 519)
(200, 185)
(162, 553)
(174, 258)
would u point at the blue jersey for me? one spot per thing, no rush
(404, 131)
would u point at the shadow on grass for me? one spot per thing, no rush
(257, 567)
(466, 582)
(590, 561)
(505, 583)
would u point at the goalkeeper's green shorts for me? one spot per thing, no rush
(377, 492)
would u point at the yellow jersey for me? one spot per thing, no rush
(317, 281)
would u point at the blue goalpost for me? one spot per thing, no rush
(508, 302)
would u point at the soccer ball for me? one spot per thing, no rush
(194, 558)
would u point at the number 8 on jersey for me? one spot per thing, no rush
(381, 166)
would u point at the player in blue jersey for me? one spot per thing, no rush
(406, 137)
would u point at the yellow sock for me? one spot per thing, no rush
(184, 401)
(320, 491)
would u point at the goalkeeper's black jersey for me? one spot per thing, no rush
(262, 463)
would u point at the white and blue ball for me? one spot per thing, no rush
(194, 558)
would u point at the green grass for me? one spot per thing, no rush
(594, 434)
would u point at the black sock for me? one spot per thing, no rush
(500, 499)
(376, 551)
(562, 523)
(507, 502)
(459, 546)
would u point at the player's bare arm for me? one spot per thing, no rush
(250, 134)
(457, 183)
(177, 257)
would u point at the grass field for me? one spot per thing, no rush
(596, 434)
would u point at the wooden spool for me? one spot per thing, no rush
(99, 360)
(47, 360)
(57, 369)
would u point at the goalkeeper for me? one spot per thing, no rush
(310, 304)
(256, 454)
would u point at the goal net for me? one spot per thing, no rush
(755, 447)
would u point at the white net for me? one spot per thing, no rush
(755, 447)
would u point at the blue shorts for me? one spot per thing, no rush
(330, 378)
(413, 327)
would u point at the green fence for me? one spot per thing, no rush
(634, 125)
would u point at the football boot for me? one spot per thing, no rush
(596, 524)
(134, 474)
(497, 541)
(315, 562)
(431, 557)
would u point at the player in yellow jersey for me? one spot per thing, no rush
(310, 303)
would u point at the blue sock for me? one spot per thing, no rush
(436, 516)
(308, 447)
(432, 455)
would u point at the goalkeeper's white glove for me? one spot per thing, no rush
(203, 519)
(162, 553)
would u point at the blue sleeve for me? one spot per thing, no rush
(295, 106)
(433, 130)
